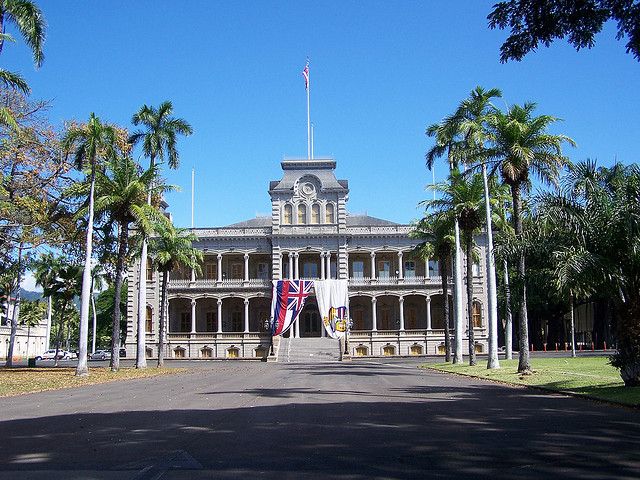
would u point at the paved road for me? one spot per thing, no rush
(359, 420)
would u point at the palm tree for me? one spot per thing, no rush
(170, 248)
(91, 143)
(463, 196)
(447, 142)
(474, 113)
(437, 232)
(45, 268)
(122, 194)
(158, 141)
(520, 146)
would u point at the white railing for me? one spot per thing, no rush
(387, 280)
(227, 283)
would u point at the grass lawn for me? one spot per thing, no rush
(589, 376)
(16, 381)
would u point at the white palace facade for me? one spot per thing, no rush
(395, 299)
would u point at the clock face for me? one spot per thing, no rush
(308, 188)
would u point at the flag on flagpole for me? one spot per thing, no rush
(287, 302)
(305, 74)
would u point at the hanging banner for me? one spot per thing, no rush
(287, 302)
(333, 298)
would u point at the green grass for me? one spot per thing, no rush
(589, 376)
(17, 381)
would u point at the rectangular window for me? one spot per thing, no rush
(185, 322)
(409, 269)
(358, 269)
(211, 322)
(310, 270)
(263, 271)
(475, 269)
(210, 271)
(384, 269)
(149, 270)
(434, 268)
(236, 271)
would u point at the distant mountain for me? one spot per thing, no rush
(27, 295)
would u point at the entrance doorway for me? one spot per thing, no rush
(310, 324)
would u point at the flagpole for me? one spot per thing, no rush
(193, 175)
(312, 141)
(308, 113)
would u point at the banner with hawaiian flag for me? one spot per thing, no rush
(287, 303)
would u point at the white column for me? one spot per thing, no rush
(193, 275)
(426, 268)
(328, 267)
(400, 266)
(374, 314)
(219, 267)
(322, 275)
(297, 327)
(297, 265)
(401, 301)
(290, 272)
(246, 315)
(219, 315)
(246, 267)
(428, 313)
(373, 265)
(193, 316)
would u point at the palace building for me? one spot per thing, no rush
(395, 298)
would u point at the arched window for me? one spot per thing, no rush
(288, 214)
(149, 323)
(302, 214)
(315, 214)
(476, 314)
(330, 213)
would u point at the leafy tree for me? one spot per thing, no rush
(463, 196)
(121, 193)
(158, 140)
(91, 143)
(519, 145)
(439, 240)
(170, 248)
(532, 22)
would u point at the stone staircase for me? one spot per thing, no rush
(308, 350)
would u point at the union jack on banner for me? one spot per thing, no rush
(287, 303)
(305, 74)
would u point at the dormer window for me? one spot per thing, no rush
(302, 214)
(315, 214)
(330, 214)
(288, 214)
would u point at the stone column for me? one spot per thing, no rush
(373, 265)
(219, 315)
(193, 316)
(246, 267)
(401, 301)
(297, 327)
(290, 275)
(322, 275)
(400, 267)
(246, 315)
(374, 314)
(280, 276)
(296, 273)
(328, 267)
(193, 275)
(428, 299)
(219, 267)
(426, 269)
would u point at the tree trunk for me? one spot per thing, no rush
(95, 323)
(492, 295)
(573, 328)
(472, 342)
(49, 316)
(524, 365)
(508, 328)
(444, 276)
(457, 297)
(115, 328)
(141, 340)
(16, 309)
(82, 369)
(60, 332)
(162, 320)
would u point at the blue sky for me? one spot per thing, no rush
(381, 71)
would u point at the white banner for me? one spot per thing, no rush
(333, 301)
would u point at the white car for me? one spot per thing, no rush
(51, 354)
(101, 355)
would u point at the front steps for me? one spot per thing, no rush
(309, 350)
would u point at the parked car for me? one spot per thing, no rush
(51, 354)
(101, 355)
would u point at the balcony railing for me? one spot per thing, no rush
(388, 280)
(227, 283)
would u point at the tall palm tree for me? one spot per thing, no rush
(44, 269)
(122, 196)
(474, 113)
(520, 146)
(170, 248)
(447, 142)
(439, 240)
(91, 143)
(158, 142)
(463, 196)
